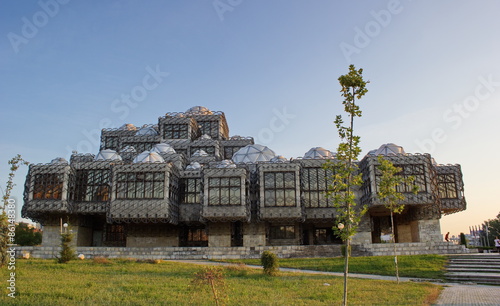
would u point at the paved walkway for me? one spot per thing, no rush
(452, 294)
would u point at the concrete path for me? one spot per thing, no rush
(452, 294)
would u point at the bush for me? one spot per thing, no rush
(269, 262)
(463, 240)
(67, 253)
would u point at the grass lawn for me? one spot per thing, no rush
(418, 266)
(123, 282)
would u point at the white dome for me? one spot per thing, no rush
(390, 149)
(107, 154)
(193, 166)
(128, 127)
(279, 159)
(198, 110)
(146, 130)
(163, 148)
(205, 136)
(200, 153)
(318, 153)
(252, 154)
(226, 163)
(148, 157)
(59, 161)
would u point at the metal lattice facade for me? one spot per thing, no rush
(176, 183)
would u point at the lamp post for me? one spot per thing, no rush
(65, 225)
(340, 226)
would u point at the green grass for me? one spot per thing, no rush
(418, 266)
(44, 282)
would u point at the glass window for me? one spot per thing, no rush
(447, 186)
(279, 189)
(91, 185)
(315, 183)
(175, 131)
(48, 186)
(190, 190)
(140, 185)
(282, 232)
(224, 191)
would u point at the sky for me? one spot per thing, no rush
(70, 68)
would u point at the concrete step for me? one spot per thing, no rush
(472, 270)
(477, 277)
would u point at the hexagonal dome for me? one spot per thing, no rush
(59, 161)
(128, 127)
(226, 163)
(198, 110)
(390, 149)
(252, 154)
(318, 153)
(146, 130)
(200, 153)
(162, 148)
(279, 159)
(107, 154)
(193, 166)
(148, 157)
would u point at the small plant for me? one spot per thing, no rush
(463, 240)
(67, 253)
(214, 278)
(269, 262)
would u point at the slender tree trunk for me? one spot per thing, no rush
(394, 245)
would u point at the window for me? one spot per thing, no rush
(175, 131)
(447, 186)
(315, 183)
(211, 128)
(224, 191)
(91, 186)
(193, 236)
(111, 142)
(229, 152)
(190, 190)
(279, 189)
(48, 186)
(140, 185)
(415, 170)
(282, 232)
(115, 235)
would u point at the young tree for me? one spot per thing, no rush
(215, 279)
(388, 193)
(5, 240)
(67, 252)
(344, 169)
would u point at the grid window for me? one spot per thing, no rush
(211, 128)
(115, 234)
(190, 190)
(175, 131)
(111, 142)
(224, 191)
(315, 183)
(229, 152)
(282, 232)
(279, 189)
(415, 170)
(91, 185)
(447, 186)
(48, 186)
(140, 185)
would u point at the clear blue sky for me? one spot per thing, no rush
(67, 67)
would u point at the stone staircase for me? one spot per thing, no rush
(474, 268)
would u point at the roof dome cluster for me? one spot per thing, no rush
(387, 150)
(252, 154)
(198, 110)
(319, 153)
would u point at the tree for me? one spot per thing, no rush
(6, 222)
(215, 279)
(388, 193)
(493, 227)
(67, 252)
(26, 235)
(345, 171)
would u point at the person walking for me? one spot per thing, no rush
(497, 244)
(447, 237)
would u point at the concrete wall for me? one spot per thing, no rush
(429, 231)
(51, 235)
(382, 249)
(219, 234)
(404, 233)
(254, 234)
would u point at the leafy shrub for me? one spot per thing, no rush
(269, 262)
